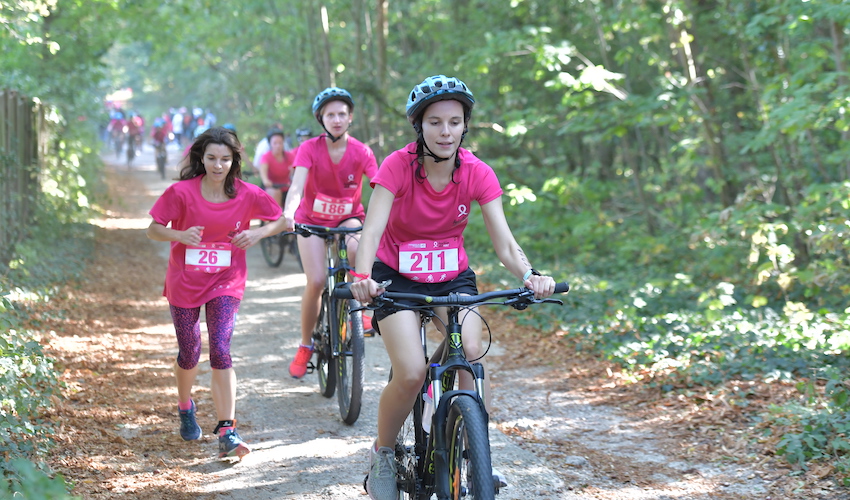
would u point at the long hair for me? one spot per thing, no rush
(195, 166)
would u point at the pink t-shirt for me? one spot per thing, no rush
(280, 171)
(332, 192)
(419, 212)
(183, 206)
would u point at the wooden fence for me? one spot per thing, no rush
(23, 143)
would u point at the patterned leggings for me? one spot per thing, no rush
(221, 317)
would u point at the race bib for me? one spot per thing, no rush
(208, 258)
(429, 261)
(325, 207)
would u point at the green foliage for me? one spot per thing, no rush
(29, 384)
(24, 480)
(821, 426)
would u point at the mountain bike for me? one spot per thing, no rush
(338, 337)
(445, 449)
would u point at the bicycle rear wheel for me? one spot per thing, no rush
(349, 365)
(161, 158)
(131, 151)
(470, 469)
(272, 248)
(321, 341)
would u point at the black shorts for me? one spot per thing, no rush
(464, 283)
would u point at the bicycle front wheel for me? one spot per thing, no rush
(324, 357)
(272, 248)
(350, 364)
(470, 470)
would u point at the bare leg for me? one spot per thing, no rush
(312, 252)
(224, 393)
(185, 382)
(408, 364)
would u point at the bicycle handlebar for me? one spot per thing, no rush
(322, 231)
(517, 297)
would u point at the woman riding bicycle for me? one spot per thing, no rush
(325, 191)
(413, 236)
(276, 166)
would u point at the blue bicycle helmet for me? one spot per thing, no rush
(438, 88)
(331, 94)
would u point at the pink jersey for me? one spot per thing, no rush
(332, 192)
(183, 206)
(421, 213)
(280, 171)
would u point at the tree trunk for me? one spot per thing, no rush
(383, 33)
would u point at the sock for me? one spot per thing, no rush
(224, 426)
(185, 406)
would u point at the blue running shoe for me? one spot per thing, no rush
(231, 445)
(189, 429)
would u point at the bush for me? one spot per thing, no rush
(24, 480)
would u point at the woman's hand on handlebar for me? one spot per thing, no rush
(542, 286)
(364, 290)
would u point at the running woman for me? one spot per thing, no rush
(206, 216)
(325, 191)
(423, 193)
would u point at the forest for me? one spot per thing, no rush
(684, 164)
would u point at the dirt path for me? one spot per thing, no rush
(119, 438)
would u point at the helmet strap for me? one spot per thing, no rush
(437, 159)
(331, 136)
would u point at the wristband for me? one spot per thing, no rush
(358, 275)
(529, 273)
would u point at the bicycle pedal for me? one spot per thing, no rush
(311, 368)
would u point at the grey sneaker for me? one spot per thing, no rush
(189, 428)
(499, 480)
(381, 483)
(231, 445)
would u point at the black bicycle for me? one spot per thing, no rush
(450, 456)
(274, 247)
(338, 337)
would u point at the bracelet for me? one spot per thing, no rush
(529, 273)
(358, 275)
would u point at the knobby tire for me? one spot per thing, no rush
(470, 469)
(350, 365)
